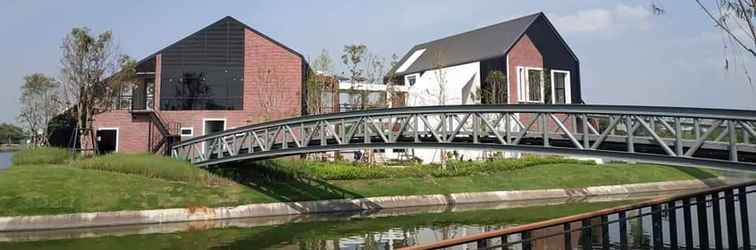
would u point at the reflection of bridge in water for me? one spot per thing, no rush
(715, 138)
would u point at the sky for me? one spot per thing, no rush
(628, 56)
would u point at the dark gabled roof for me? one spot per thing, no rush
(475, 45)
(227, 18)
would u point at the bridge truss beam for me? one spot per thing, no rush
(688, 136)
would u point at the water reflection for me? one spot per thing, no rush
(387, 229)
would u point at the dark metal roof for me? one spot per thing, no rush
(231, 19)
(475, 45)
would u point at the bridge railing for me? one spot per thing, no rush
(710, 219)
(687, 136)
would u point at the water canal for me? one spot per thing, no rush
(387, 229)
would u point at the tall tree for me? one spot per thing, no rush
(93, 73)
(39, 104)
(323, 63)
(352, 58)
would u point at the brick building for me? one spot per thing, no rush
(532, 61)
(223, 76)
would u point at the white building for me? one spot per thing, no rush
(536, 64)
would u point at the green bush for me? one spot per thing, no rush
(152, 166)
(41, 155)
(340, 170)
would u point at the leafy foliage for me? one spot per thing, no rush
(10, 133)
(340, 170)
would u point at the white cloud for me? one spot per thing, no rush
(607, 20)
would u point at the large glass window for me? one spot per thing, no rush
(205, 71)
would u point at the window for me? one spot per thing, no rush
(123, 101)
(410, 80)
(560, 84)
(187, 132)
(530, 84)
(205, 71)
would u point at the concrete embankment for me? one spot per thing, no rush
(159, 216)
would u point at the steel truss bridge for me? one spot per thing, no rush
(716, 138)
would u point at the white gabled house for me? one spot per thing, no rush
(536, 64)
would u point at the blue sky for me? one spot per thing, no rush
(627, 55)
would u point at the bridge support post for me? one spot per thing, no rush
(545, 127)
(733, 140)
(567, 236)
(630, 128)
(656, 227)
(672, 217)
(703, 222)
(743, 203)
(586, 134)
(732, 234)
(716, 216)
(678, 137)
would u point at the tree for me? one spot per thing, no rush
(733, 17)
(93, 74)
(352, 58)
(10, 134)
(496, 89)
(323, 63)
(39, 104)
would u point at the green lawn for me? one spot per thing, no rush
(54, 189)
(567, 175)
(135, 182)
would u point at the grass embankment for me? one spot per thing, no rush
(49, 181)
(294, 180)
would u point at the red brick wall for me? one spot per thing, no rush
(272, 90)
(132, 132)
(272, 79)
(523, 53)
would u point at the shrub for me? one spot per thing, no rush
(340, 170)
(151, 166)
(41, 155)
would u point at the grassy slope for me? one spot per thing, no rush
(536, 177)
(133, 182)
(48, 189)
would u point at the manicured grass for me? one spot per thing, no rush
(536, 177)
(142, 181)
(41, 155)
(554, 175)
(55, 189)
(153, 166)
